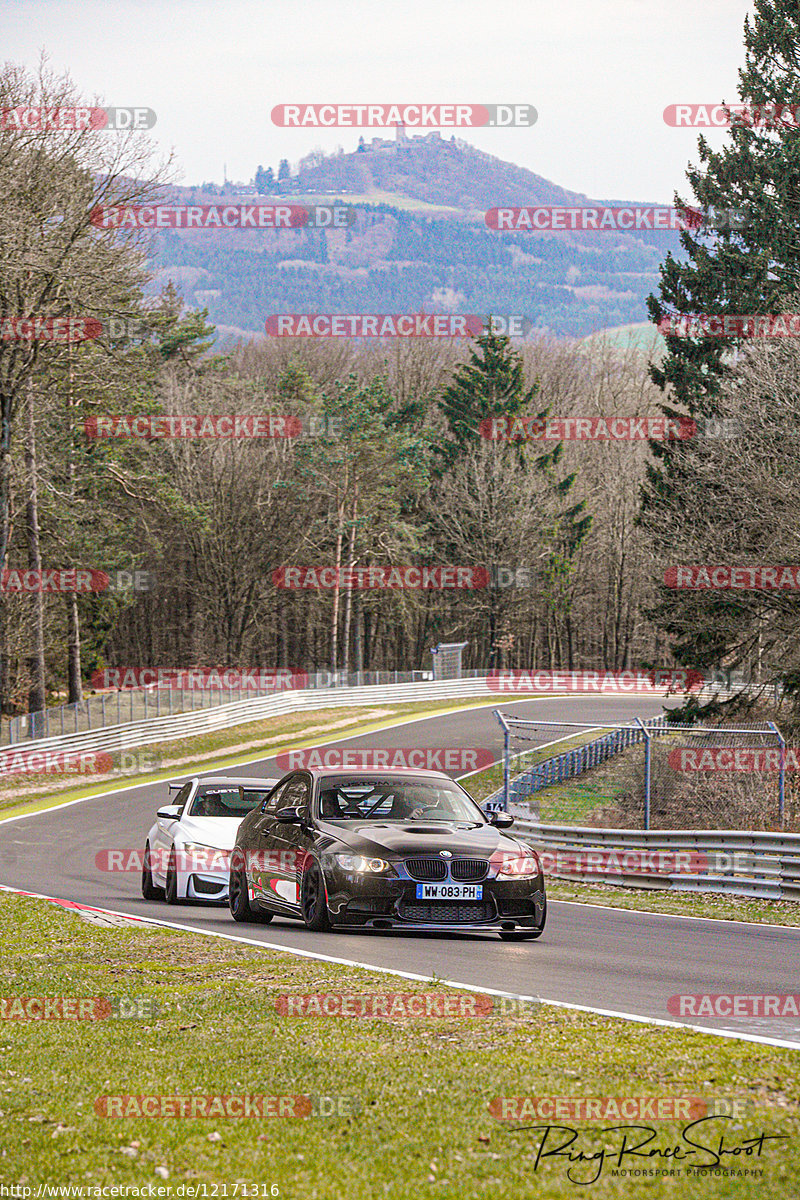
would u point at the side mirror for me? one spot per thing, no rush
(169, 812)
(289, 816)
(502, 820)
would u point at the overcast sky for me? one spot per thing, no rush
(599, 72)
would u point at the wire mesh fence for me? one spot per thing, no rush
(127, 705)
(650, 775)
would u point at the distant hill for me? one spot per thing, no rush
(419, 242)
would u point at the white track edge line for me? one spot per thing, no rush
(348, 962)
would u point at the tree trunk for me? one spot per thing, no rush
(357, 641)
(5, 531)
(348, 601)
(340, 511)
(36, 669)
(74, 684)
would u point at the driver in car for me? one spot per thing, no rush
(418, 810)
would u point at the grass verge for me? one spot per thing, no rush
(417, 1120)
(719, 906)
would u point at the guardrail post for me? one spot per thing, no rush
(782, 776)
(506, 756)
(646, 735)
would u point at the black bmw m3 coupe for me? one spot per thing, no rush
(399, 849)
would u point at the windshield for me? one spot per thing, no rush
(212, 801)
(382, 799)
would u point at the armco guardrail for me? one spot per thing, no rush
(225, 716)
(130, 704)
(163, 729)
(739, 862)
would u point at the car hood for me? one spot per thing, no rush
(219, 832)
(402, 838)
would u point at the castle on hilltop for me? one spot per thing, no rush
(401, 140)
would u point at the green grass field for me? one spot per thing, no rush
(409, 1096)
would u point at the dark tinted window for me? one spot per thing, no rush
(181, 797)
(296, 793)
(216, 801)
(275, 800)
(386, 799)
(254, 797)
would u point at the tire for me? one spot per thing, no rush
(526, 935)
(150, 890)
(313, 901)
(171, 890)
(239, 901)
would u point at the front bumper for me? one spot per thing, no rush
(386, 902)
(212, 888)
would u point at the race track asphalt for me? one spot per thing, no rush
(601, 958)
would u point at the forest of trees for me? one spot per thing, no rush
(391, 468)
(391, 471)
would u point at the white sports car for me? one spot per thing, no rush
(186, 855)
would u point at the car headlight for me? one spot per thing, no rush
(362, 865)
(522, 864)
(203, 858)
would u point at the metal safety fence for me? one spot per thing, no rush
(668, 776)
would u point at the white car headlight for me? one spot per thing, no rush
(362, 865)
(197, 857)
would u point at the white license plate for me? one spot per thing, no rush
(449, 891)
